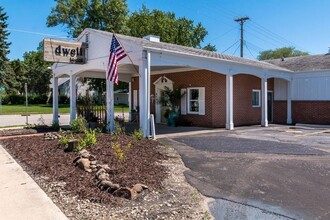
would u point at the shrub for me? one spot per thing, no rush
(5, 99)
(37, 99)
(88, 140)
(79, 125)
(16, 99)
(137, 135)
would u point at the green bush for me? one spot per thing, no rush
(88, 140)
(37, 99)
(5, 100)
(16, 99)
(137, 135)
(79, 125)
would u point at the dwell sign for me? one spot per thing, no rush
(64, 51)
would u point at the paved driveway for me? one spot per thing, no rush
(259, 173)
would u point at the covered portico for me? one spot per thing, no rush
(149, 57)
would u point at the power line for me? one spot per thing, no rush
(230, 47)
(236, 49)
(248, 49)
(36, 33)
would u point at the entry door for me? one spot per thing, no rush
(270, 106)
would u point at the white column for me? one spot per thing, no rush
(129, 101)
(289, 102)
(110, 107)
(264, 111)
(73, 107)
(148, 92)
(55, 100)
(143, 94)
(229, 103)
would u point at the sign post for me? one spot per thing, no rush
(26, 101)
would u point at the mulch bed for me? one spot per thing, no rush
(46, 158)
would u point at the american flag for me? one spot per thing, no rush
(116, 54)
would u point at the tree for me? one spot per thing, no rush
(6, 74)
(280, 52)
(76, 15)
(36, 72)
(181, 31)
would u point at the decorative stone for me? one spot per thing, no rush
(84, 164)
(139, 187)
(103, 176)
(125, 192)
(108, 185)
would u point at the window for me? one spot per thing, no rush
(196, 100)
(255, 98)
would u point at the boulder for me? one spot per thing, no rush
(139, 187)
(125, 192)
(84, 164)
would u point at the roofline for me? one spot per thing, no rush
(276, 68)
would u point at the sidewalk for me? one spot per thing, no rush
(38, 119)
(20, 197)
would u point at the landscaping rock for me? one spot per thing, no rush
(139, 187)
(108, 185)
(84, 164)
(125, 192)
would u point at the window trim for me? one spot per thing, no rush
(189, 100)
(259, 98)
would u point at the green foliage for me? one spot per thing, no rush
(64, 140)
(4, 51)
(137, 135)
(171, 98)
(79, 125)
(181, 31)
(76, 15)
(63, 99)
(120, 151)
(15, 99)
(36, 72)
(88, 140)
(281, 52)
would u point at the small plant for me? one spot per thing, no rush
(64, 140)
(137, 135)
(88, 140)
(79, 125)
(119, 153)
(119, 130)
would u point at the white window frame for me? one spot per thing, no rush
(259, 98)
(201, 101)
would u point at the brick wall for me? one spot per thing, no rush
(215, 96)
(311, 112)
(280, 112)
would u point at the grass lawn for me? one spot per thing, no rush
(42, 109)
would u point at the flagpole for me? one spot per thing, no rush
(125, 51)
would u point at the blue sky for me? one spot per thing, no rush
(300, 23)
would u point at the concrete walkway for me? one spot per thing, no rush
(20, 197)
(38, 119)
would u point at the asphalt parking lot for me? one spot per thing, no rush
(261, 173)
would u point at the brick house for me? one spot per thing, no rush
(220, 90)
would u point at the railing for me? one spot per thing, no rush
(96, 113)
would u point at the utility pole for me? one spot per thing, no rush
(241, 22)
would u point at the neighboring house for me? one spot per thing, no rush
(121, 97)
(220, 90)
